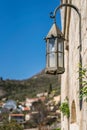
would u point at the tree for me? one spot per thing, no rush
(1, 79)
(41, 113)
(50, 89)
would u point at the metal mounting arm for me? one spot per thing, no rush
(53, 15)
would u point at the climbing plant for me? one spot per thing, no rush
(65, 109)
(83, 81)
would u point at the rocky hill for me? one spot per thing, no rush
(19, 89)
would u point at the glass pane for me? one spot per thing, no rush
(51, 47)
(52, 61)
(60, 59)
(60, 46)
(47, 64)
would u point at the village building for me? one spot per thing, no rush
(30, 101)
(20, 118)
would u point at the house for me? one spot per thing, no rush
(20, 118)
(42, 94)
(26, 109)
(57, 99)
(30, 101)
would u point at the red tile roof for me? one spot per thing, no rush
(16, 114)
(26, 108)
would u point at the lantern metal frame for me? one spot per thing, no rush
(58, 40)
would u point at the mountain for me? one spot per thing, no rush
(20, 89)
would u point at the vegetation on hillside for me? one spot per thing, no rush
(19, 90)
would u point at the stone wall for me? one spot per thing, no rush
(70, 82)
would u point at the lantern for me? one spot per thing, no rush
(55, 51)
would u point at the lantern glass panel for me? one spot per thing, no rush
(52, 60)
(51, 53)
(60, 59)
(51, 45)
(60, 46)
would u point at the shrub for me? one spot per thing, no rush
(65, 109)
(57, 129)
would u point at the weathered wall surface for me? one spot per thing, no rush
(84, 55)
(70, 82)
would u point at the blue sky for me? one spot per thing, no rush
(23, 25)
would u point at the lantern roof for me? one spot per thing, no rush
(54, 31)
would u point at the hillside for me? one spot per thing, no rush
(19, 89)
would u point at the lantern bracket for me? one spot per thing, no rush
(53, 16)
